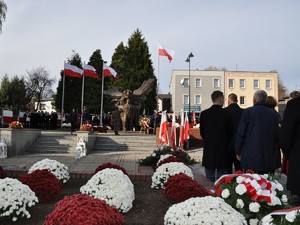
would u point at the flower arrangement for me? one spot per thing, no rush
(167, 159)
(112, 166)
(144, 122)
(282, 217)
(252, 195)
(86, 127)
(83, 209)
(2, 173)
(181, 187)
(45, 185)
(16, 198)
(113, 186)
(162, 174)
(15, 125)
(205, 210)
(60, 170)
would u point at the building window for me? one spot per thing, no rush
(216, 83)
(242, 100)
(268, 84)
(242, 83)
(198, 82)
(198, 99)
(256, 84)
(231, 83)
(185, 99)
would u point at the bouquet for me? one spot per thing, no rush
(112, 166)
(45, 185)
(83, 209)
(86, 127)
(181, 187)
(162, 174)
(206, 210)
(16, 125)
(2, 173)
(58, 169)
(144, 122)
(113, 186)
(282, 217)
(16, 198)
(252, 195)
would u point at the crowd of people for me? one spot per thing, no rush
(251, 139)
(40, 120)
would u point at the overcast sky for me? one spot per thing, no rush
(256, 35)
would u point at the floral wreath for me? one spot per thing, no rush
(16, 125)
(144, 122)
(86, 127)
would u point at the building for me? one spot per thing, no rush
(164, 102)
(203, 83)
(45, 105)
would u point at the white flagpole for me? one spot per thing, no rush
(62, 99)
(101, 106)
(174, 128)
(82, 93)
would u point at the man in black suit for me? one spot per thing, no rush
(290, 144)
(216, 129)
(236, 111)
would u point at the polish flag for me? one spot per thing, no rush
(194, 118)
(72, 71)
(182, 133)
(164, 51)
(186, 128)
(173, 132)
(163, 130)
(90, 71)
(108, 71)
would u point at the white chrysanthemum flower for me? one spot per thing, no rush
(291, 216)
(284, 199)
(253, 221)
(254, 207)
(225, 193)
(113, 186)
(240, 204)
(240, 179)
(240, 189)
(267, 220)
(58, 169)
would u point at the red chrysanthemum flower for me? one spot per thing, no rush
(111, 166)
(2, 173)
(168, 160)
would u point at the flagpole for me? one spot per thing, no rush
(157, 89)
(62, 99)
(101, 106)
(82, 93)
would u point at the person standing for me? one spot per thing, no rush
(73, 119)
(236, 112)
(216, 129)
(116, 117)
(257, 136)
(290, 144)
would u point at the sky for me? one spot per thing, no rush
(243, 35)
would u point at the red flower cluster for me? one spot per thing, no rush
(183, 155)
(83, 209)
(168, 160)
(2, 173)
(15, 124)
(181, 187)
(86, 127)
(112, 166)
(45, 185)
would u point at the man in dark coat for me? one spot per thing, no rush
(257, 136)
(290, 144)
(216, 129)
(236, 112)
(73, 119)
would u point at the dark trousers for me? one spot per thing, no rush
(215, 174)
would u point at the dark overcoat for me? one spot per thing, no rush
(216, 129)
(257, 138)
(290, 143)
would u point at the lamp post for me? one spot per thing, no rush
(188, 60)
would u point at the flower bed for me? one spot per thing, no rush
(113, 186)
(112, 166)
(58, 169)
(83, 209)
(16, 198)
(45, 185)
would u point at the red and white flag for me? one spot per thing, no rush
(163, 130)
(186, 128)
(108, 71)
(173, 132)
(182, 133)
(90, 71)
(164, 51)
(72, 71)
(194, 118)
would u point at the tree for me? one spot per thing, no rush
(4, 92)
(39, 84)
(3, 10)
(282, 90)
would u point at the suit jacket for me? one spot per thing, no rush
(216, 129)
(290, 143)
(257, 138)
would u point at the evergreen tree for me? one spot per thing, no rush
(4, 92)
(3, 10)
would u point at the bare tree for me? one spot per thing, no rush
(3, 10)
(39, 84)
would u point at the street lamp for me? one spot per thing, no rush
(188, 60)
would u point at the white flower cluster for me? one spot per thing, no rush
(15, 198)
(203, 210)
(289, 217)
(58, 169)
(162, 173)
(113, 186)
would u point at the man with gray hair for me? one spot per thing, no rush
(257, 136)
